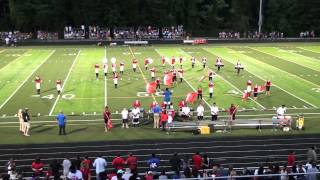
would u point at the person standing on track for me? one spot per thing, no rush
(106, 117)
(26, 122)
(61, 118)
(20, 118)
(232, 112)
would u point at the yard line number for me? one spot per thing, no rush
(65, 96)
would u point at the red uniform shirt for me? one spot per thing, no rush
(163, 60)
(232, 110)
(164, 117)
(38, 167)
(37, 80)
(291, 159)
(182, 104)
(197, 161)
(132, 162)
(96, 66)
(118, 163)
(121, 64)
(146, 62)
(174, 73)
(268, 83)
(173, 60)
(158, 81)
(255, 90)
(136, 104)
(211, 85)
(134, 61)
(199, 91)
(210, 74)
(58, 82)
(180, 60)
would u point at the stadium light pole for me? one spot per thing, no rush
(260, 17)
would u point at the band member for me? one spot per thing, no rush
(182, 104)
(153, 72)
(238, 67)
(199, 93)
(134, 64)
(249, 88)
(174, 75)
(146, 63)
(232, 112)
(96, 69)
(136, 104)
(163, 60)
(268, 86)
(38, 82)
(113, 67)
(58, 85)
(115, 80)
(210, 75)
(158, 83)
(211, 85)
(173, 61)
(180, 60)
(180, 71)
(219, 63)
(255, 92)
(121, 68)
(204, 62)
(193, 61)
(105, 69)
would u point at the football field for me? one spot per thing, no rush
(293, 68)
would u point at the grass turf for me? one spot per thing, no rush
(293, 68)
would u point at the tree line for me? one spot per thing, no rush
(199, 17)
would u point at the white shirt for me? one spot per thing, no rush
(136, 113)
(281, 111)
(186, 110)
(66, 166)
(75, 176)
(126, 175)
(214, 110)
(124, 114)
(100, 164)
(200, 110)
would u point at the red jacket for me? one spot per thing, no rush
(197, 161)
(291, 159)
(132, 162)
(118, 162)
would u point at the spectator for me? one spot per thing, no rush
(26, 122)
(156, 110)
(66, 163)
(54, 168)
(205, 162)
(11, 165)
(232, 172)
(118, 162)
(134, 176)
(127, 174)
(313, 169)
(132, 162)
(74, 174)
(125, 115)
(85, 168)
(163, 175)
(61, 118)
(197, 163)
(259, 171)
(153, 162)
(311, 154)
(301, 169)
(20, 118)
(100, 164)
(291, 158)
(37, 167)
(149, 175)
(175, 162)
(214, 112)
(200, 111)
(164, 119)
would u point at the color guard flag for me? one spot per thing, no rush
(191, 97)
(167, 80)
(151, 87)
(261, 89)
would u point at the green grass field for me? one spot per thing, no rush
(294, 69)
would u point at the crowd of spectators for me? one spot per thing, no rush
(124, 33)
(195, 166)
(12, 37)
(307, 34)
(251, 35)
(74, 33)
(45, 35)
(173, 32)
(229, 35)
(147, 33)
(97, 32)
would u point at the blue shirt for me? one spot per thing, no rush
(156, 109)
(61, 119)
(167, 95)
(153, 163)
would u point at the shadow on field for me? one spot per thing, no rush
(77, 130)
(44, 129)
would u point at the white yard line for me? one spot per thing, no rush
(144, 78)
(3, 50)
(308, 50)
(18, 88)
(105, 81)
(276, 86)
(14, 60)
(64, 83)
(301, 64)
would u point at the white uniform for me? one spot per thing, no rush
(281, 111)
(200, 110)
(210, 89)
(134, 65)
(38, 85)
(105, 68)
(113, 68)
(59, 87)
(214, 110)
(122, 68)
(249, 89)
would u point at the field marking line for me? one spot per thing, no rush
(308, 50)
(64, 83)
(228, 82)
(14, 60)
(144, 78)
(105, 80)
(3, 50)
(273, 84)
(28, 77)
(184, 79)
(285, 59)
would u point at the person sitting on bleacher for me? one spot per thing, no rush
(186, 112)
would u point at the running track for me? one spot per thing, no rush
(240, 152)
